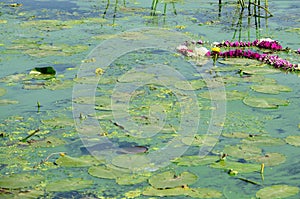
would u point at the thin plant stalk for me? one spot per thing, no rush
(174, 8)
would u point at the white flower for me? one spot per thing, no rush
(266, 39)
(201, 51)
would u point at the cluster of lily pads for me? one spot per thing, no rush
(195, 49)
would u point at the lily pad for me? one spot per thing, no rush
(277, 191)
(47, 142)
(264, 102)
(195, 160)
(21, 180)
(236, 135)
(236, 166)
(170, 180)
(106, 172)
(131, 161)
(259, 71)
(293, 140)
(270, 159)
(58, 122)
(190, 85)
(263, 141)
(184, 192)
(242, 151)
(200, 140)
(83, 161)
(7, 102)
(69, 184)
(135, 77)
(2, 91)
(229, 95)
(271, 89)
(130, 179)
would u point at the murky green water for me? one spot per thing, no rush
(151, 104)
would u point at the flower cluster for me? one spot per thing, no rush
(193, 50)
(273, 60)
(262, 43)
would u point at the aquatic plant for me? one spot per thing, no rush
(192, 49)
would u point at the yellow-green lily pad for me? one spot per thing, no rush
(259, 70)
(237, 166)
(277, 191)
(271, 88)
(131, 179)
(2, 91)
(169, 179)
(243, 151)
(293, 140)
(270, 159)
(184, 192)
(236, 135)
(228, 95)
(200, 140)
(190, 85)
(106, 172)
(131, 161)
(195, 160)
(58, 122)
(135, 77)
(263, 141)
(21, 180)
(82, 161)
(264, 102)
(68, 184)
(7, 101)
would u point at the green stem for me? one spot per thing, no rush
(30, 135)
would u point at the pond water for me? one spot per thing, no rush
(126, 116)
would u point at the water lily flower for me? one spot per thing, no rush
(202, 51)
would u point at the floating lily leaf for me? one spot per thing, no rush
(200, 140)
(236, 135)
(7, 101)
(293, 140)
(46, 25)
(135, 77)
(177, 191)
(195, 160)
(131, 161)
(59, 122)
(229, 95)
(237, 166)
(130, 179)
(204, 193)
(45, 70)
(47, 142)
(21, 180)
(239, 62)
(259, 71)
(106, 172)
(260, 102)
(69, 184)
(243, 151)
(83, 161)
(270, 159)
(2, 91)
(30, 194)
(271, 89)
(190, 85)
(261, 79)
(277, 191)
(184, 192)
(58, 84)
(170, 180)
(263, 141)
